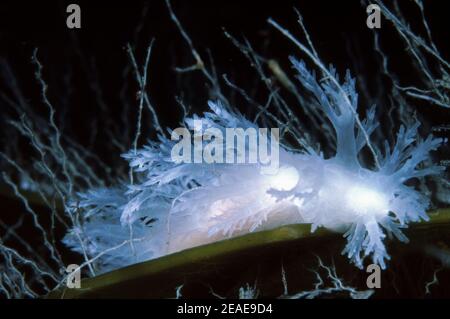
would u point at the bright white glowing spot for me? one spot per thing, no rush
(285, 180)
(363, 200)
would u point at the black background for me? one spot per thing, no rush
(337, 28)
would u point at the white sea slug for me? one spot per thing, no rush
(175, 206)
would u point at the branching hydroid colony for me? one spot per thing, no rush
(163, 206)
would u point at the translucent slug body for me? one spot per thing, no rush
(175, 206)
